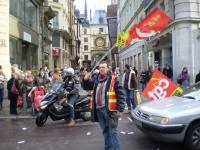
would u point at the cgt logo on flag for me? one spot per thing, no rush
(160, 86)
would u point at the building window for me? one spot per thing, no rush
(85, 47)
(85, 31)
(100, 30)
(56, 39)
(14, 8)
(56, 20)
(63, 46)
(26, 11)
(30, 14)
(85, 57)
(162, 5)
(139, 61)
(85, 39)
(14, 55)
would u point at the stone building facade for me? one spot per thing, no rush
(177, 45)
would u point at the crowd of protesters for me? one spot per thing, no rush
(131, 79)
(105, 108)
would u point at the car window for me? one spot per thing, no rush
(193, 92)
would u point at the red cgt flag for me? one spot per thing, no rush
(133, 35)
(160, 86)
(156, 21)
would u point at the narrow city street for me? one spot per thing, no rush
(69, 59)
(23, 134)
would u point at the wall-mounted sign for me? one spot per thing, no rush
(27, 37)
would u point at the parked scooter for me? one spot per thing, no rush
(54, 105)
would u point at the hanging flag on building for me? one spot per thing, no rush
(121, 39)
(155, 22)
(160, 86)
(133, 36)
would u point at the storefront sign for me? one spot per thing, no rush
(56, 51)
(27, 37)
(160, 87)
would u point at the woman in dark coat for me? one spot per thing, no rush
(12, 96)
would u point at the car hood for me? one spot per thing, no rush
(170, 106)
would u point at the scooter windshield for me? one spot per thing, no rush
(56, 86)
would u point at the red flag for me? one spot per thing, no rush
(133, 35)
(156, 21)
(160, 86)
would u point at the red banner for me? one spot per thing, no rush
(160, 86)
(133, 35)
(155, 22)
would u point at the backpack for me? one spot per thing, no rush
(14, 89)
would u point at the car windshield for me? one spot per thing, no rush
(56, 86)
(193, 92)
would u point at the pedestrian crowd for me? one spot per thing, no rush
(22, 82)
(111, 89)
(131, 79)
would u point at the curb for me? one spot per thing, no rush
(17, 117)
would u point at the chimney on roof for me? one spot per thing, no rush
(85, 11)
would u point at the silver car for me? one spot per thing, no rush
(172, 119)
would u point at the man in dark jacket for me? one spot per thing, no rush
(167, 70)
(107, 104)
(197, 79)
(71, 87)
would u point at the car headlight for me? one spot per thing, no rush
(158, 119)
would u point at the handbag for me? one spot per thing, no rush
(138, 98)
(19, 102)
(14, 89)
(180, 81)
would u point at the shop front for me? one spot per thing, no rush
(160, 52)
(23, 54)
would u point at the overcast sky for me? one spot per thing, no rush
(91, 4)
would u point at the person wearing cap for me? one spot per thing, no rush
(2, 81)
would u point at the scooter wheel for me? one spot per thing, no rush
(41, 118)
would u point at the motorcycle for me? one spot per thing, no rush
(54, 105)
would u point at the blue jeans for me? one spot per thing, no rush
(72, 99)
(130, 98)
(1, 98)
(111, 135)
